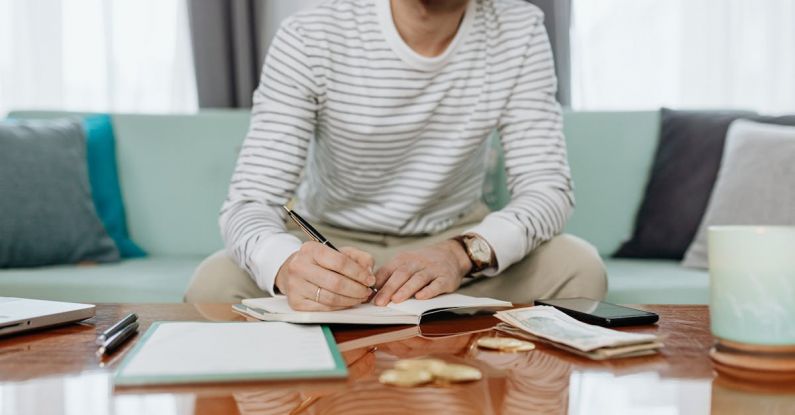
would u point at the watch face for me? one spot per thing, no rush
(480, 249)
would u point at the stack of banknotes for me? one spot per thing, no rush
(552, 326)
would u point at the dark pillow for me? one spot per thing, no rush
(683, 173)
(47, 215)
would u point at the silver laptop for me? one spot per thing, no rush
(20, 314)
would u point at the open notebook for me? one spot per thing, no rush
(407, 312)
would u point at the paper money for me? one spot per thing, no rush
(640, 349)
(552, 324)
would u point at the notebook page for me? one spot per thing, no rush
(191, 348)
(279, 305)
(419, 307)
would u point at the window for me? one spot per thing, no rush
(712, 54)
(96, 55)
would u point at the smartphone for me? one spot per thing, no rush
(600, 313)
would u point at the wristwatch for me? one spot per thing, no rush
(478, 250)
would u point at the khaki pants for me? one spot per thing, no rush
(565, 266)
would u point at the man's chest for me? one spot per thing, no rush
(392, 104)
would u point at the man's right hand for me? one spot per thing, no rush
(344, 277)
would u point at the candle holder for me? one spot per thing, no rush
(752, 301)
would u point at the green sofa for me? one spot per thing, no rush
(174, 171)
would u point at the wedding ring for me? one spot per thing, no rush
(317, 295)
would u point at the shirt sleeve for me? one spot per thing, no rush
(270, 162)
(537, 169)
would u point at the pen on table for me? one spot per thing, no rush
(119, 326)
(313, 233)
(118, 339)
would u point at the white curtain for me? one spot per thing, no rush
(641, 54)
(96, 55)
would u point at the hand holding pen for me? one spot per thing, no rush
(319, 277)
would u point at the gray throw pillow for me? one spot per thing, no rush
(47, 215)
(755, 185)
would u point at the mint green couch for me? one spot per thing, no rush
(174, 171)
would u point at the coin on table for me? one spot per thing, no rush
(452, 372)
(505, 344)
(405, 378)
(422, 364)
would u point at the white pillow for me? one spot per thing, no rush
(755, 184)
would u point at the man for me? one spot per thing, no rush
(376, 115)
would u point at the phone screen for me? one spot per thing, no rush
(596, 308)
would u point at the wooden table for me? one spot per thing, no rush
(56, 371)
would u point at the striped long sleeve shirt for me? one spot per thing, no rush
(372, 136)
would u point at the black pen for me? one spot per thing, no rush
(309, 229)
(118, 339)
(314, 234)
(110, 331)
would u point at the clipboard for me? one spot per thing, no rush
(200, 352)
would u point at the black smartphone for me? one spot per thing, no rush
(601, 313)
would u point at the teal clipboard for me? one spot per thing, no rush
(339, 370)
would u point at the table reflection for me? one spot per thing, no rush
(594, 392)
(739, 397)
(542, 381)
(365, 395)
(89, 393)
(514, 383)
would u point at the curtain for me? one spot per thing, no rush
(644, 54)
(228, 50)
(96, 55)
(557, 20)
(230, 39)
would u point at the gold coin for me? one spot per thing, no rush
(505, 344)
(405, 378)
(525, 347)
(422, 364)
(451, 372)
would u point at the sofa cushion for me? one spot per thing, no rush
(646, 281)
(684, 170)
(755, 183)
(102, 173)
(47, 215)
(174, 172)
(164, 280)
(609, 154)
(685, 167)
(143, 280)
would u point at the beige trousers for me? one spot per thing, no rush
(565, 266)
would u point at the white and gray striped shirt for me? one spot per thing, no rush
(375, 137)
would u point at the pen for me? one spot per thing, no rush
(119, 326)
(309, 229)
(118, 339)
(313, 233)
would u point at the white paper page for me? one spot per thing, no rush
(418, 307)
(187, 348)
(279, 305)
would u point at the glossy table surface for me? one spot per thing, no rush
(56, 371)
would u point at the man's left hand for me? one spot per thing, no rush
(422, 273)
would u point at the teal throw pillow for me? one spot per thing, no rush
(104, 179)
